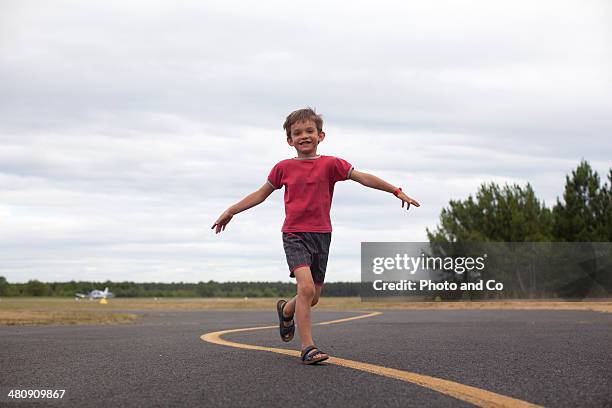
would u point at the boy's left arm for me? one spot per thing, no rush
(370, 180)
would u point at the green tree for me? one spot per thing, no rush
(508, 214)
(3, 286)
(585, 215)
(37, 288)
(498, 214)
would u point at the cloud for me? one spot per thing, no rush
(125, 129)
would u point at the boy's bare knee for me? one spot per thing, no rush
(307, 291)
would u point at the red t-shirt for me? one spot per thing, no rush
(309, 187)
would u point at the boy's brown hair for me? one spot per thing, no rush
(301, 115)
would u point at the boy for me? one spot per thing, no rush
(309, 185)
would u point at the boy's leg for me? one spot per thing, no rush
(302, 304)
(289, 309)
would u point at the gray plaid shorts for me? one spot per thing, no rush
(307, 249)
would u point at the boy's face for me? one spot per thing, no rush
(305, 138)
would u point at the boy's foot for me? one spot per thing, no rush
(286, 324)
(312, 355)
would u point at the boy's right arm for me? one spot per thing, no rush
(247, 202)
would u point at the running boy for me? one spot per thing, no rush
(309, 182)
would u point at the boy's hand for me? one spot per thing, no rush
(247, 202)
(407, 200)
(222, 221)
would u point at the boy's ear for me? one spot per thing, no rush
(290, 141)
(321, 136)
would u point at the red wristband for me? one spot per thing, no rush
(397, 191)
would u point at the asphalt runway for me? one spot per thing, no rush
(548, 358)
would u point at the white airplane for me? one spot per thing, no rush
(95, 294)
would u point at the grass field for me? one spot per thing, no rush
(31, 311)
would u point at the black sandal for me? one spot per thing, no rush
(309, 353)
(286, 332)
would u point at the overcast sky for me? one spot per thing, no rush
(126, 128)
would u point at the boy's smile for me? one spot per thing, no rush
(305, 138)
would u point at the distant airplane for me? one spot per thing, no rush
(95, 294)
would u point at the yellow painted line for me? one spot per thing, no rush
(473, 395)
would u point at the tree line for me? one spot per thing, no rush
(512, 213)
(210, 289)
